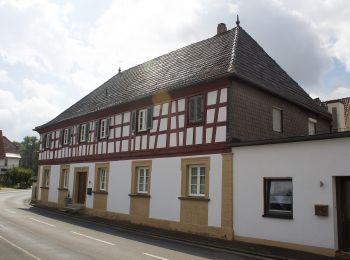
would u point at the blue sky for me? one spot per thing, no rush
(52, 53)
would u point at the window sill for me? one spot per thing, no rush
(141, 195)
(198, 123)
(100, 192)
(194, 198)
(281, 216)
(63, 189)
(45, 188)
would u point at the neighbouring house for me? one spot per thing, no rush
(9, 154)
(163, 144)
(340, 110)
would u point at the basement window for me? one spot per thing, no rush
(278, 197)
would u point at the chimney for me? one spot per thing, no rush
(221, 28)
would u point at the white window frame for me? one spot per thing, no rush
(82, 137)
(198, 175)
(145, 184)
(103, 128)
(65, 136)
(142, 120)
(102, 175)
(65, 178)
(277, 126)
(313, 123)
(47, 178)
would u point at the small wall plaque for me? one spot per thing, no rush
(89, 191)
(321, 210)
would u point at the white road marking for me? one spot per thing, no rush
(42, 222)
(11, 211)
(96, 239)
(155, 256)
(20, 248)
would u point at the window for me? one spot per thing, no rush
(195, 178)
(103, 128)
(66, 136)
(142, 180)
(334, 119)
(277, 119)
(196, 181)
(48, 140)
(312, 126)
(46, 178)
(101, 177)
(195, 109)
(64, 177)
(83, 133)
(142, 122)
(278, 196)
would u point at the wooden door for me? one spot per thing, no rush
(344, 213)
(81, 187)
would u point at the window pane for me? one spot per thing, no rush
(281, 195)
(194, 189)
(202, 189)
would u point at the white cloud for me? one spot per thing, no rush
(4, 77)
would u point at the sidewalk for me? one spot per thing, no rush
(235, 246)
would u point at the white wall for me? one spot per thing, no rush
(307, 163)
(12, 162)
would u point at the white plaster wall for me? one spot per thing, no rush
(40, 177)
(54, 183)
(119, 185)
(165, 189)
(215, 177)
(307, 163)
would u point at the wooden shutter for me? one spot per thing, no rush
(78, 133)
(97, 130)
(191, 109)
(87, 132)
(108, 124)
(61, 137)
(199, 108)
(44, 141)
(133, 121)
(149, 118)
(69, 135)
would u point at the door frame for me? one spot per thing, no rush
(339, 180)
(77, 170)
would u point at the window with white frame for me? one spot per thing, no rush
(66, 136)
(102, 174)
(195, 109)
(46, 178)
(196, 181)
(312, 126)
(82, 137)
(142, 180)
(48, 140)
(103, 128)
(142, 120)
(65, 178)
(277, 125)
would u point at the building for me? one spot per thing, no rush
(9, 154)
(340, 110)
(153, 145)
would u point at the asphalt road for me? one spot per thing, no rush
(31, 233)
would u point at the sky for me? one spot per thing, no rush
(53, 53)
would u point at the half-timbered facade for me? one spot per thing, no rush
(152, 145)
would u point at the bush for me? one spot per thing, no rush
(20, 176)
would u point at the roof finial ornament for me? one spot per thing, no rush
(237, 21)
(119, 70)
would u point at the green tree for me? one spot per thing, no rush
(18, 175)
(29, 148)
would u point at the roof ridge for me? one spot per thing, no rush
(231, 67)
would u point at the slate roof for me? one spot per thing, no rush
(9, 147)
(233, 53)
